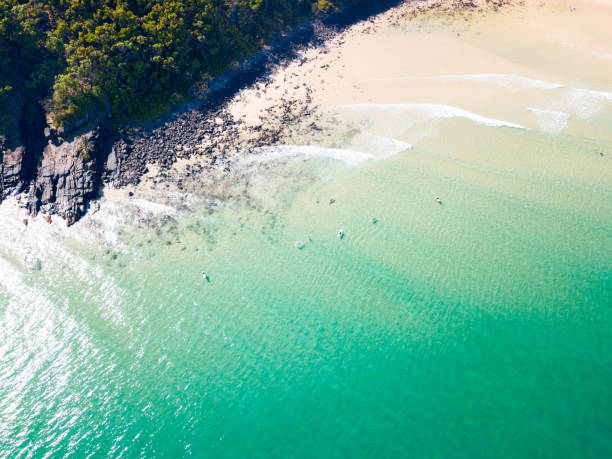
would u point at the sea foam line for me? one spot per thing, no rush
(550, 120)
(350, 157)
(389, 145)
(432, 111)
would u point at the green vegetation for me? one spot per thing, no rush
(85, 149)
(124, 59)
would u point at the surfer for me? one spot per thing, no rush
(340, 234)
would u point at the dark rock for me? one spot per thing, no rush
(11, 168)
(68, 177)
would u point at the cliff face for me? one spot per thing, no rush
(67, 178)
(52, 175)
(12, 149)
(10, 170)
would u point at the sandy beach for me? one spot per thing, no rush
(379, 60)
(406, 236)
(400, 57)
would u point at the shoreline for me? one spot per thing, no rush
(417, 265)
(228, 120)
(74, 173)
(55, 176)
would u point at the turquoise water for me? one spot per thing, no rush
(479, 327)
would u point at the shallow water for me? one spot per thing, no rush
(477, 327)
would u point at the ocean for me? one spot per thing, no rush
(479, 325)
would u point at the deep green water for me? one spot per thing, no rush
(479, 327)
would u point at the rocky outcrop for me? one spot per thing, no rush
(55, 175)
(68, 176)
(46, 170)
(11, 167)
(12, 149)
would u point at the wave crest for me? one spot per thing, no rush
(423, 112)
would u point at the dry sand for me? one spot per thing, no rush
(425, 38)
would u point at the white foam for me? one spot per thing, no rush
(266, 154)
(581, 102)
(584, 103)
(43, 246)
(549, 120)
(153, 207)
(383, 147)
(430, 111)
(603, 94)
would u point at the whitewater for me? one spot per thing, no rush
(476, 326)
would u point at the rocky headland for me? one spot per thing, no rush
(52, 172)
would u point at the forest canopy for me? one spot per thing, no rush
(125, 59)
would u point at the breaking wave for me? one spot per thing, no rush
(549, 120)
(422, 112)
(273, 153)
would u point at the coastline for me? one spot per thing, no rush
(53, 175)
(434, 212)
(74, 172)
